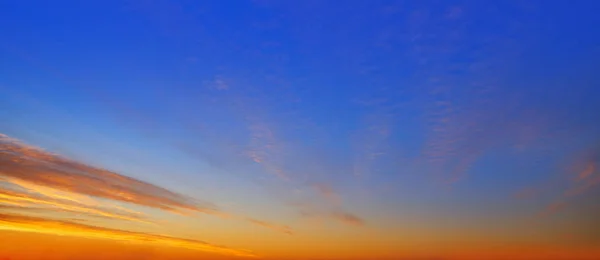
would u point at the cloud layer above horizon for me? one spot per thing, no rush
(303, 129)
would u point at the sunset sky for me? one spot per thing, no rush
(296, 130)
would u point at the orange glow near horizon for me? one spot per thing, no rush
(61, 228)
(299, 130)
(28, 189)
(16, 198)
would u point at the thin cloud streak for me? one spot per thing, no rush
(327, 206)
(268, 148)
(28, 193)
(23, 199)
(29, 164)
(57, 227)
(582, 176)
(588, 175)
(586, 179)
(278, 228)
(339, 215)
(264, 147)
(30, 176)
(327, 192)
(348, 218)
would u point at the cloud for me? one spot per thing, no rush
(454, 13)
(57, 227)
(348, 218)
(50, 174)
(279, 228)
(553, 208)
(264, 148)
(327, 192)
(327, 206)
(462, 130)
(219, 84)
(372, 141)
(586, 173)
(344, 217)
(583, 185)
(34, 179)
(584, 176)
(23, 199)
(535, 192)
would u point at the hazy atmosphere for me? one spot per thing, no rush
(299, 130)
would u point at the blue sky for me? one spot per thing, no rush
(379, 110)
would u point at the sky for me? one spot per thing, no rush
(296, 130)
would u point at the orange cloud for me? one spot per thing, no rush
(23, 199)
(30, 176)
(309, 210)
(264, 148)
(56, 227)
(48, 173)
(328, 205)
(327, 192)
(587, 179)
(348, 218)
(283, 229)
(584, 176)
(587, 172)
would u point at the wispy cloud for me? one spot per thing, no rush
(469, 104)
(57, 227)
(32, 178)
(35, 181)
(582, 176)
(348, 218)
(312, 211)
(219, 83)
(327, 192)
(278, 228)
(327, 205)
(372, 140)
(587, 177)
(48, 174)
(25, 198)
(264, 148)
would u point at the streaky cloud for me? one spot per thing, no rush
(34, 179)
(583, 177)
(348, 218)
(18, 198)
(327, 192)
(22, 223)
(278, 228)
(327, 206)
(32, 165)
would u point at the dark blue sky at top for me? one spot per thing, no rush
(322, 74)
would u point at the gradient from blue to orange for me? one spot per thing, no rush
(299, 129)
